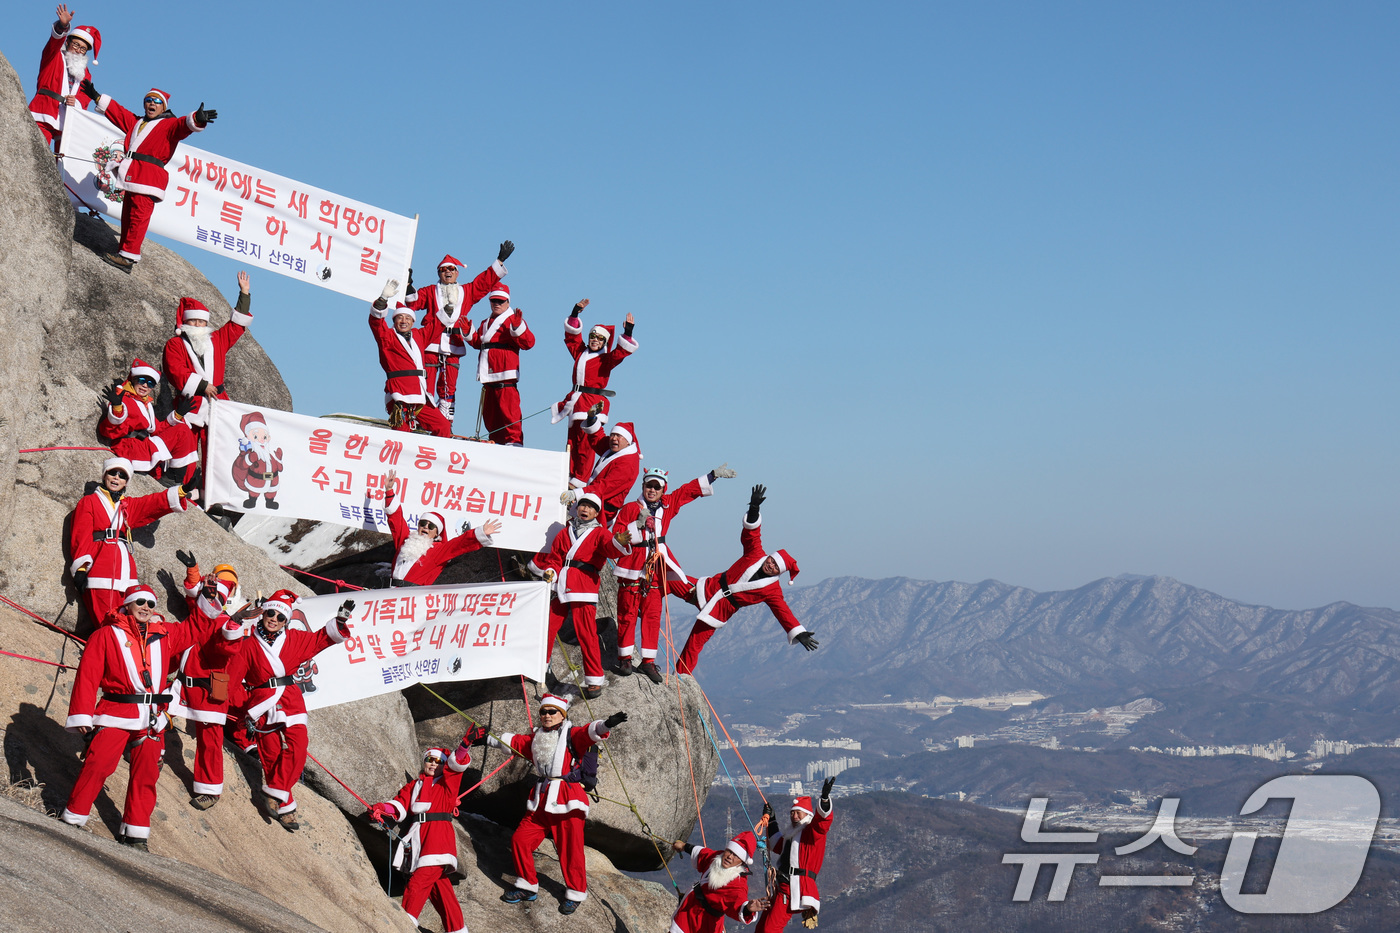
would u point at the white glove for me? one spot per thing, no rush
(723, 472)
(568, 496)
(391, 288)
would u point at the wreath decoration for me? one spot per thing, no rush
(107, 158)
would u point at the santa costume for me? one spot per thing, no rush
(130, 427)
(407, 392)
(498, 340)
(590, 387)
(149, 145)
(446, 322)
(429, 803)
(272, 667)
(417, 561)
(103, 564)
(61, 72)
(194, 358)
(576, 557)
(129, 664)
(257, 470)
(723, 892)
(615, 471)
(799, 852)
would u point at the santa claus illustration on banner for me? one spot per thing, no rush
(258, 466)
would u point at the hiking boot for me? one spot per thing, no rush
(132, 842)
(592, 693)
(119, 261)
(623, 667)
(517, 896)
(568, 907)
(204, 801)
(271, 805)
(648, 667)
(289, 821)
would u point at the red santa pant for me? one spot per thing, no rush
(282, 752)
(443, 377)
(632, 607)
(51, 136)
(171, 447)
(136, 217)
(103, 756)
(99, 602)
(430, 420)
(430, 883)
(566, 831)
(776, 917)
(208, 758)
(690, 654)
(500, 412)
(585, 616)
(581, 453)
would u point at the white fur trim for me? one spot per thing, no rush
(135, 832)
(377, 313)
(627, 344)
(739, 851)
(241, 319)
(792, 635)
(333, 631)
(524, 885)
(398, 808)
(73, 724)
(573, 895)
(213, 790)
(500, 268)
(75, 819)
(103, 102)
(194, 127)
(571, 329)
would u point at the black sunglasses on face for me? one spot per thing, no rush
(121, 473)
(148, 603)
(274, 614)
(144, 381)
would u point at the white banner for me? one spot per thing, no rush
(425, 634)
(277, 463)
(245, 213)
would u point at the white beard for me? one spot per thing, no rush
(414, 547)
(452, 295)
(261, 451)
(718, 876)
(198, 337)
(545, 745)
(75, 63)
(799, 824)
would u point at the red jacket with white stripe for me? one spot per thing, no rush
(439, 324)
(54, 80)
(101, 528)
(257, 663)
(692, 917)
(440, 553)
(499, 338)
(804, 850)
(591, 370)
(200, 660)
(578, 560)
(433, 842)
(550, 790)
(613, 473)
(117, 662)
(650, 529)
(189, 372)
(154, 141)
(401, 356)
(723, 595)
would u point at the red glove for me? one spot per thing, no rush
(380, 812)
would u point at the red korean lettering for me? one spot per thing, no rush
(243, 184)
(355, 446)
(373, 641)
(469, 601)
(352, 225)
(187, 194)
(388, 608)
(330, 214)
(523, 502)
(457, 463)
(320, 478)
(459, 635)
(264, 191)
(398, 644)
(297, 202)
(453, 502)
(389, 453)
(369, 260)
(449, 603)
(482, 631)
(355, 645)
(372, 490)
(436, 635)
(277, 228)
(408, 608)
(488, 604)
(491, 507)
(507, 602)
(430, 607)
(376, 225)
(425, 458)
(368, 614)
(218, 174)
(476, 502)
(432, 492)
(232, 214)
(417, 641)
(323, 250)
(320, 441)
(193, 168)
(344, 487)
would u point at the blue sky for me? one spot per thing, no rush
(1033, 292)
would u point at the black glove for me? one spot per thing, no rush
(191, 484)
(187, 558)
(756, 497)
(410, 282)
(183, 404)
(615, 720)
(346, 608)
(205, 117)
(807, 641)
(826, 788)
(476, 735)
(578, 310)
(112, 395)
(506, 249)
(80, 578)
(768, 810)
(87, 88)
(627, 328)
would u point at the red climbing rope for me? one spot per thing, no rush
(40, 450)
(308, 573)
(509, 759)
(338, 780)
(41, 620)
(25, 657)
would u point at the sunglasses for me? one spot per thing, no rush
(499, 301)
(148, 603)
(121, 473)
(424, 523)
(152, 99)
(551, 711)
(274, 614)
(652, 486)
(144, 381)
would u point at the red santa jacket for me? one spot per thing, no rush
(257, 470)
(432, 841)
(191, 687)
(55, 83)
(100, 541)
(500, 338)
(446, 331)
(650, 529)
(401, 357)
(136, 415)
(692, 916)
(578, 560)
(613, 473)
(719, 597)
(805, 851)
(149, 145)
(189, 372)
(591, 370)
(550, 790)
(267, 673)
(426, 569)
(120, 663)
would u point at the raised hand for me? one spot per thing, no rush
(826, 788)
(807, 641)
(615, 720)
(506, 249)
(346, 608)
(723, 471)
(112, 395)
(391, 288)
(187, 558)
(65, 15)
(243, 283)
(491, 527)
(578, 308)
(87, 87)
(205, 117)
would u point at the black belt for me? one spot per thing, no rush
(704, 901)
(589, 390)
(728, 595)
(397, 373)
(55, 96)
(496, 346)
(430, 817)
(265, 476)
(201, 682)
(583, 565)
(142, 157)
(398, 582)
(802, 872)
(284, 681)
(139, 434)
(509, 383)
(138, 697)
(107, 534)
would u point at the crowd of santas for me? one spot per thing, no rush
(233, 668)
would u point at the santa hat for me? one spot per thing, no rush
(253, 417)
(450, 260)
(592, 498)
(281, 601)
(437, 519)
(787, 564)
(625, 428)
(117, 463)
(502, 290)
(401, 308)
(163, 95)
(438, 754)
(91, 36)
(804, 804)
(743, 845)
(556, 701)
(140, 367)
(656, 473)
(191, 309)
(602, 330)
(140, 591)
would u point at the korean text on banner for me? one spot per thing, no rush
(245, 213)
(425, 634)
(275, 462)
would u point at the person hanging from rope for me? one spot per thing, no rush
(645, 576)
(800, 853)
(573, 564)
(615, 471)
(750, 580)
(408, 396)
(193, 360)
(445, 306)
(594, 362)
(723, 892)
(201, 691)
(128, 660)
(103, 565)
(63, 67)
(130, 427)
(272, 665)
(150, 143)
(420, 556)
(429, 802)
(499, 338)
(566, 765)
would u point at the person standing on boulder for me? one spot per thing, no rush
(499, 338)
(559, 801)
(130, 427)
(799, 854)
(193, 361)
(594, 362)
(429, 802)
(420, 556)
(723, 892)
(128, 659)
(150, 143)
(403, 352)
(62, 70)
(271, 665)
(616, 470)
